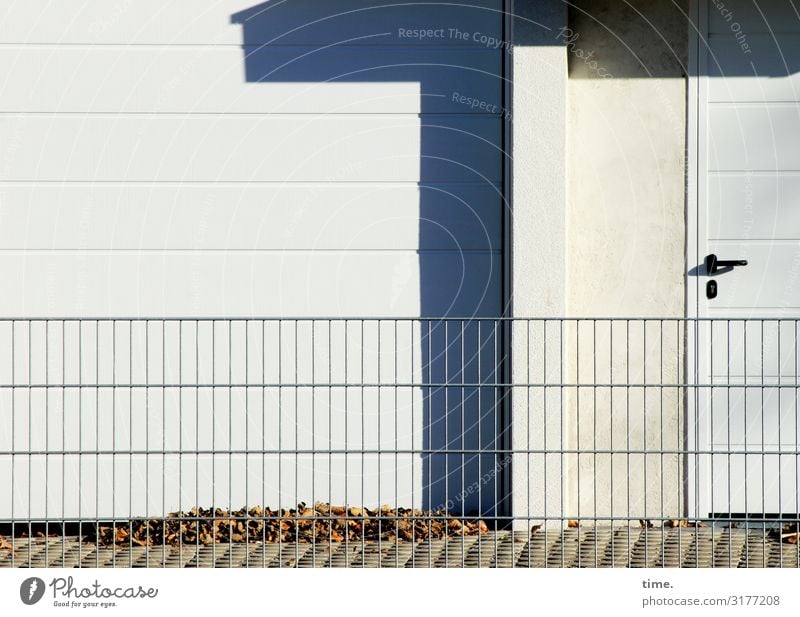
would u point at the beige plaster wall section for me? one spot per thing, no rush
(626, 256)
(626, 153)
(599, 231)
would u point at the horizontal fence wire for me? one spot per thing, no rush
(429, 442)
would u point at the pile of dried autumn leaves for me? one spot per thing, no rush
(320, 523)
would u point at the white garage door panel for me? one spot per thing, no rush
(210, 21)
(198, 148)
(770, 415)
(757, 138)
(755, 206)
(249, 283)
(754, 485)
(212, 79)
(761, 352)
(154, 164)
(748, 193)
(282, 217)
(768, 73)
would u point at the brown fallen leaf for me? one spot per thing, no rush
(573, 524)
(322, 523)
(790, 538)
(677, 523)
(140, 541)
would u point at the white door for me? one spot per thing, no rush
(228, 158)
(747, 84)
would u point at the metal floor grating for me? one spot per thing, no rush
(584, 547)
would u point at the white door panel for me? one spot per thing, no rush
(746, 418)
(235, 148)
(767, 73)
(749, 189)
(754, 486)
(768, 283)
(754, 137)
(752, 427)
(754, 352)
(353, 283)
(757, 206)
(379, 216)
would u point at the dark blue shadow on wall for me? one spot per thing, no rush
(456, 70)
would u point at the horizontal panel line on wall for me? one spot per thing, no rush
(753, 448)
(753, 171)
(267, 114)
(271, 45)
(226, 114)
(724, 379)
(748, 103)
(756, 316)
(384, 317)
(201, 183)
(190, 251)
(726, 35)
(752, 34)
(756, 240)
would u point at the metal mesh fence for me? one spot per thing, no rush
(399, 442)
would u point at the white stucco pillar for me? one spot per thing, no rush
(539, 264)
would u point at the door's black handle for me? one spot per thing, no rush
(714, 265)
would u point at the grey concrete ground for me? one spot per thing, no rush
(584, 547)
